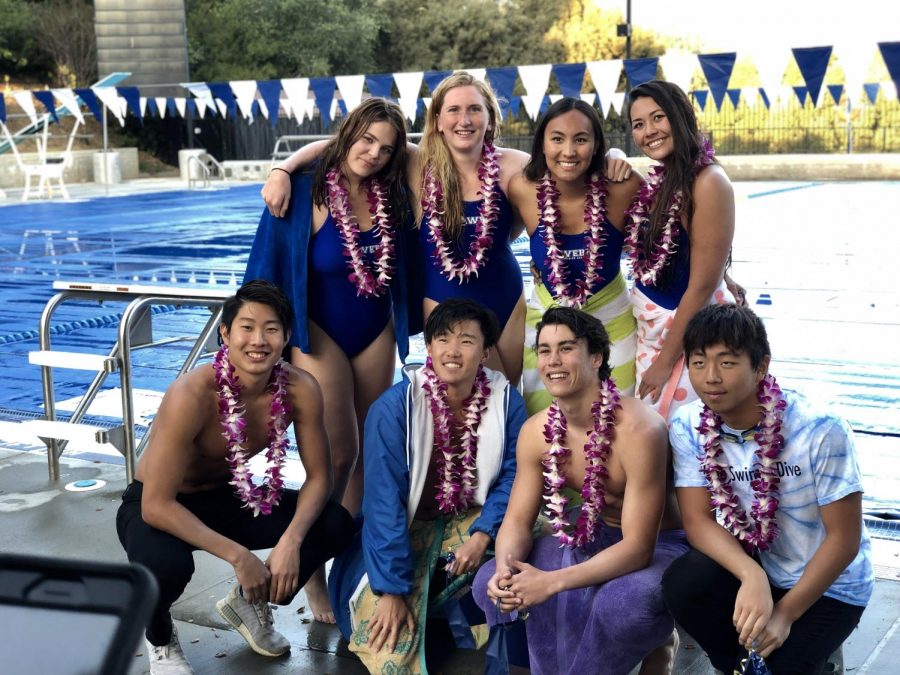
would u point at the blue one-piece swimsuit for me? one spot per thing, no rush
(673, 279)
(351, 320)
(573, 248)
(498, 285)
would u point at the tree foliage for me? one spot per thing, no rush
(66, 31)
(19, 52)
(266, 39)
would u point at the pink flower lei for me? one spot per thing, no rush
(455, 469)
(260, 499)
(367, 283)
(596, 451)
(646, 265)
(594, 238)
(759, 529)
(444, 259)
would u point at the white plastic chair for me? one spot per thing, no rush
(46, 169)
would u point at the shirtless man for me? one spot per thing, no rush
(590, 593)
(193, 490)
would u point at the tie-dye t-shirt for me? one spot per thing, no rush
(817, 467)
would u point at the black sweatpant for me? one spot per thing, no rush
(170, 559)
(701, 594)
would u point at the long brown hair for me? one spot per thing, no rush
(435, 155)
(393, 175)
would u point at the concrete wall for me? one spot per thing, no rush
(81, 171)
(803, 167)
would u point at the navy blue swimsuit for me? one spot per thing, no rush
(498, 285)
(573, 248)
(352, 321)
(669, 289)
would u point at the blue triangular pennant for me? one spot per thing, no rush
(514, 104)
(2, 108)
(801, 93)
(420, 108)
(701, 95)
(222, 91)
(813, 62)
(254, 110)
(270, 92)
(342, 107)
(639, 71)
(190, 108)
(571, 78)
(717, 69)
(872, 91)
(890, 52)
(381, 85)
(89, 98)
(46, 98)
(171, 108)
(735, 96)
(434, 77)
(323, 91)
(836, 91)
(132, 96)
(544, 105)
(503, 81)
(152, 108)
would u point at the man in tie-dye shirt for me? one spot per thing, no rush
(781, 562)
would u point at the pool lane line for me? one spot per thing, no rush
(786, 189)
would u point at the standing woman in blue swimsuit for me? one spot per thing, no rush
(339, 253)
(679, 236)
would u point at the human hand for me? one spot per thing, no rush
(468, 557)
(391, 615)
(530, 585)
(654, 380)
(738, 291)
(277, 192)
(752, 608)
(617, 169)
(774, 634)
(498, 589)
(253, 577)
(284, 566)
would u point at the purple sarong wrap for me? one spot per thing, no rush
(606, 629)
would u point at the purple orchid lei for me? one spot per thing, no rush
(367, 283)
(262, 498)
(489, 175)
(646, 265)
(757, 530)
(455, 468)
(594, 238)
(596, 452)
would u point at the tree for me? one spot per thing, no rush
(20, 57)
(66, 33)
(266, 39)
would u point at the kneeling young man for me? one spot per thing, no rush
(787, 571)
(590, 592)
(193, 487)
(439, 465)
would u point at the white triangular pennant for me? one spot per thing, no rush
(244, 93)
(351, 87)
(69, 102)
(110, 98)
(532, 103)
(618, 102)
(855, 60)
(309, 106)
(678, 67)
(26, 103)
(589, 98)
(554, 98)
(605, 76)
(181, 105)
(162, 106)
(408, 86)
(750, 96)
(535, 79)
(771, 63)
(142, 102)
(477, 73)
(297, 92)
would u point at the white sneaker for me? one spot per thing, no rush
(254, 622)
(168, 659)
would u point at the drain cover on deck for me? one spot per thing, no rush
(85, 485)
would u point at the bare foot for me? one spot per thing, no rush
(317, 595)
(661, 661)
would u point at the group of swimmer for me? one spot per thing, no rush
(366, 240)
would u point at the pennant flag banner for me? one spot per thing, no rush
(515, 103)
(890, 52)
(605, 76)
(191, 106)
(69, 103)
(133, 96)
(700, 96)
(717, 69)
(222, 91)
(618, 102)
(171, 108)
(432, 78)
(750, 96)
(2, 108)
(503, 82)
(836, 91)
(90, 100)
(589, 98)
(270, 91)
(244, 93)
(770, 63)
(152, 108)
(765, 98)
(297, 92)
(110, 98)
(46, 99)
(477, 73)
(323, 92)
(678, 67)
(408, 86)
(570, 77)
(801, 94)
(639, 71)
(23, 98)
(380, 85)
(813, 62)
(735, 96)
(535, 80)
(181, 105)
(871, 89)
(351, 88)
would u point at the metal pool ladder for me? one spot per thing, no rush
(134, 332)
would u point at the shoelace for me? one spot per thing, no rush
(264, 612)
